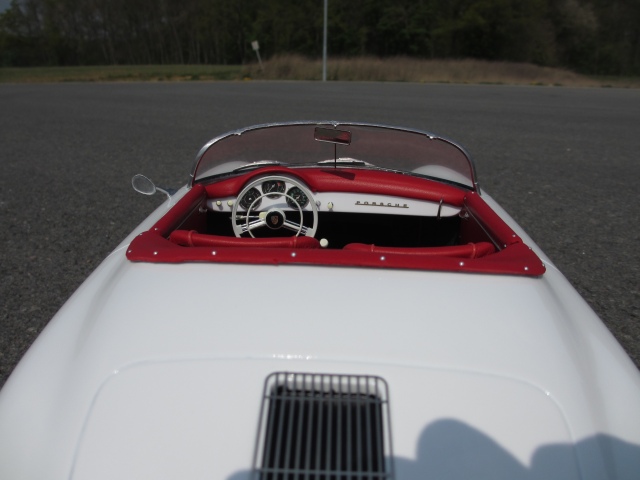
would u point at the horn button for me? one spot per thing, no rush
(275, 219)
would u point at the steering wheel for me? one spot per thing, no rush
(273, 203)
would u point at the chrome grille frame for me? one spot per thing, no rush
(324, 427)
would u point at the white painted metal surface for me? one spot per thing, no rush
(155, 370)
(354, 203)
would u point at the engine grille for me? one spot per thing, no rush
(324, 427)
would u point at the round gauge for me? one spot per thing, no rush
(274, 187)
(298, 195)
(250, 197)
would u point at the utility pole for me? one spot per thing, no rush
(324, 43)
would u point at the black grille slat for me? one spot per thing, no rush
(324, 427)
(298, 445)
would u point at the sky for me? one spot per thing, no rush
(4, 4)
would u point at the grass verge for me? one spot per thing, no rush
(292, 67)
(404, 69)
(121, 73)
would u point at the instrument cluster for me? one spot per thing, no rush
(273, 189)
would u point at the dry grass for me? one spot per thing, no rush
(291, 67)
(120, 73)
(403, 69)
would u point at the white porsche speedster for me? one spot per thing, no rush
(324, 301)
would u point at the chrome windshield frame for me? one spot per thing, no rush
(335, 124)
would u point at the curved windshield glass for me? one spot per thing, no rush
(354, 146)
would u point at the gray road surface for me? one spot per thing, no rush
(563, 162)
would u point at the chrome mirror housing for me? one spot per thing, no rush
(145, 186)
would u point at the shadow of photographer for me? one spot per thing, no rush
(452, 450)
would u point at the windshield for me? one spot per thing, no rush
(370, 146)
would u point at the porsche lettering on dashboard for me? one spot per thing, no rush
(382, 204)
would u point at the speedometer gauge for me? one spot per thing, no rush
(248, 198)
(274, 187)
(296, 195)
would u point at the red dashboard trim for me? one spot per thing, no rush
(350, 180)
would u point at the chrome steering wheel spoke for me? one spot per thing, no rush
(252, 225)
(295, 227)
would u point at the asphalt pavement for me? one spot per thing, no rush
(562, 161)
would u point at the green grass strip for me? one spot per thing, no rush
(120, 73)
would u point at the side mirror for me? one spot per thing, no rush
(145, 186)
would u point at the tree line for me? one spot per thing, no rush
(589, 36)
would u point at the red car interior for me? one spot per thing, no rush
(476, 241)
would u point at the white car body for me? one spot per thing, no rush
(157, 369)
